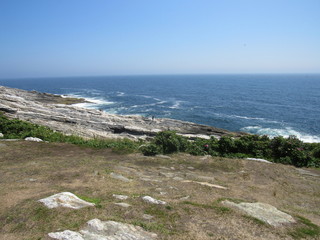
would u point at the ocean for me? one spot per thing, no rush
(262, 104)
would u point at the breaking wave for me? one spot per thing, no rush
(285, 132)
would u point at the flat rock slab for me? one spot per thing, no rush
(121, 204)
(258, 160)
(205, 184)
(33, 139)
(264, 212)
(151, 200)
(108, 230)
(308, 173)
(65, 199)
(120, 177)
(120, 197)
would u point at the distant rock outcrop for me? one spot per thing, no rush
(47, 110)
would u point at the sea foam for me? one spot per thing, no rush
(285, 132)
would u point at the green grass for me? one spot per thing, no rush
(96, 201)
(17, 129)
(308, 229)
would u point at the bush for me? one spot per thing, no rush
(316, 152)
(149, 150)
(226, 145)
(199, 147)
(170, 142)
(282, 150)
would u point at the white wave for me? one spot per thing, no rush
(120, 94)
(176, 105)
(144, 96)
(94, 103)
(285, 132)
(248, 118)
(148, 105)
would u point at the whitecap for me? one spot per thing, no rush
(148, 105)
(285, 132)
(94, 103)
(120, 94)
(176, 105)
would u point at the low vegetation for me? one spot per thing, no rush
(17, 129)
(290, 150)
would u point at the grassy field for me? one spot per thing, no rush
(30, 171)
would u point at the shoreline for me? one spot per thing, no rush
(51, 110)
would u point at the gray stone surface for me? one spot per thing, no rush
(33, 139)
(205, 184)
(121, 204)
(66, 235)
(147, 216)
(41, 108)
(151, 200)
(308, 173)
(108, 230)
(65, 199)
(258, 160)
(264, 212)
(120, 197)
(119, 177)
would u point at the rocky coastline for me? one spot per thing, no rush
(59, 114)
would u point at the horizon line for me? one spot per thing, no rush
(158, 74)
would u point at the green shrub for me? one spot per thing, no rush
(196, 150)
(170, 142)
(226, 145)
(279, 149)
(150, 149)
(199, 147)
(316, 152)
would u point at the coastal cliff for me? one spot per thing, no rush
(58, 113)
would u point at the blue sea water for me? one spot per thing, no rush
(261, 104)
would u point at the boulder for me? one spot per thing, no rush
(65, 199)
(264, 212)
(33, 139)
(120, 197)
(1, 135)
(151, 200)
(120, 177)
(66, 235)
(105, 230)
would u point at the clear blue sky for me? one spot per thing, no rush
(111, 37)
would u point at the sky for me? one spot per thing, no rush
(52, 38)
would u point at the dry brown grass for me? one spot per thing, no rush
(30, 171)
